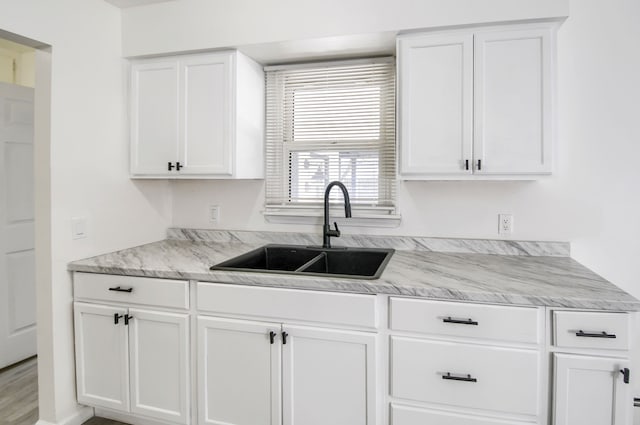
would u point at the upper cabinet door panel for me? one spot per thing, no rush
(436, 75)
(154, 116)
(205, 141)
(513, 102)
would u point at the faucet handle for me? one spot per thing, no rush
(337, 230)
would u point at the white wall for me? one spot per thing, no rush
(204, 24)
(592, 200)
(81, 163)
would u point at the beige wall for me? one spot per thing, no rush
(17, 63)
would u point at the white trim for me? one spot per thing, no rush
(79, 417)
(308, 217)
(323, 64)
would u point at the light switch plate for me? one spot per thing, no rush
(78, 227)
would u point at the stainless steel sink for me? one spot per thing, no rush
(355, 263)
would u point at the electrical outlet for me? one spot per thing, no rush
(214, 214)
(505, 224)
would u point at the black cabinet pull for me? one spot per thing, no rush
(479, 164)
(466, 164)
(178, 166)
(119, 289)
(625, 374)
(170, 166)
(464, 378)
(284, 337)
(602, 334)
(116, 318)
(127, 318)
(272, 336)
(460, 321)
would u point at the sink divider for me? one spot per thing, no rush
(311, 262)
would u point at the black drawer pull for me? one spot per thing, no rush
(116, 318)
(272, 337)
(625, 375)
(127, 319)
(284, 337)
(460, 321)
(465, 378)
(602, 334)
(119, 289)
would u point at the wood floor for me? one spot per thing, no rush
(19, 395)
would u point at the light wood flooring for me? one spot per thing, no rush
(19, 395)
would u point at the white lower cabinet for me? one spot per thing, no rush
(133, 360)
(253, 373)
(465, 364)
(591, 391)
(405, 415)
(463, 375)
(592, 376)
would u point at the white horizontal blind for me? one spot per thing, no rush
(330, 122)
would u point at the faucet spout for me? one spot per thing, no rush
(327, 232)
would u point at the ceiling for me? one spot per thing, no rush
(132, 3)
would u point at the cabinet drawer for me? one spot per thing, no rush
(583, 329)
(404, 415)
(464, 375)
(288, 304)
(143, 290)
(503, 323)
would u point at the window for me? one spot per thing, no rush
(331, 121)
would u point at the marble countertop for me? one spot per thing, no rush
(541, 280)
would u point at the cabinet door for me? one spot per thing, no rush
(102, 366)
(436, 76)
(239, 369)
(159, 353)
(512, 94)
(206, 131)
(328, 377)
(590, 391)
(154, 117)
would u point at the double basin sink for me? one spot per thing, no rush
(355, 263)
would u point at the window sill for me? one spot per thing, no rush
(358, 220)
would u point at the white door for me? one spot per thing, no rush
(102, 356)
(591, 391)
(239, 369)
(154, 117)
(205, 134)
(159, 359)
(512, 95)
(328, 377)
(17, 259)
(436, 97)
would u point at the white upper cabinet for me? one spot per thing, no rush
(512, 93)
(197, 116)
(436, 74)
(476, 104)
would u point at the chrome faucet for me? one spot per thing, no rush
(327, 232)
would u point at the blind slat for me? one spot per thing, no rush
(329, 123)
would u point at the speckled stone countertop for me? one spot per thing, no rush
(504, 272)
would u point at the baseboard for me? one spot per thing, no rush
(79, 417)
(128, 418)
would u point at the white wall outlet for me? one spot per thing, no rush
(214, 214)
(505, 224)
(78, 227)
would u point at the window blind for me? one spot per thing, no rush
(330, 122)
